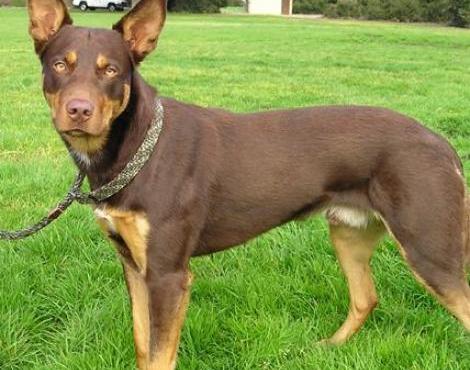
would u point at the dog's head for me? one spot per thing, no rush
(87, 72)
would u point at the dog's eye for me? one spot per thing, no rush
(60, 67)
(110, 71)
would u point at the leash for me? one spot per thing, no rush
(104, 192)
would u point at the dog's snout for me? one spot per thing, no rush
(80, 110)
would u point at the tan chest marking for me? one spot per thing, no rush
(132, 227)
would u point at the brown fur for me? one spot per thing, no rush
(217, 179)
(467, 231)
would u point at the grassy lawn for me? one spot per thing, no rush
(63, 303)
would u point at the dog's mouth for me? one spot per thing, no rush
(81, 131)
(84, 141)
(75, 133)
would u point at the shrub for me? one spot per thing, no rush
(343, 9)
(196, 6)
(435, 10)
(309, 6)
(374, 9)
(455, 12)
(237, 3)
(405, 10)
(459, 13)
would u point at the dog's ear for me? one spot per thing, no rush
(46, 17)
(142, 26)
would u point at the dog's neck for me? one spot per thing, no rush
(127, 134)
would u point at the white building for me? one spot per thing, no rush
(275, 7)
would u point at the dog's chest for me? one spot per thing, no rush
(129, 231)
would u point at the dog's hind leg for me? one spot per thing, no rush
(354, 247)
(444, 278)
(428, 222)
(442, 274)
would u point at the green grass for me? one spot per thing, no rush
(63, 303)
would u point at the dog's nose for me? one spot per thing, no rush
(80, 110)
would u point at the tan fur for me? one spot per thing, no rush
(117, 107)
(133, 228)
(71, 58)
(102, 62)
(140, 314)
(53, 102)
(87, 145)
(458, 304)
(354, 247)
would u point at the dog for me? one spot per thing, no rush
(217, 179)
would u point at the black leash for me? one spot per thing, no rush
(73, 195)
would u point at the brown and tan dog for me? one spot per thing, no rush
(217, 179)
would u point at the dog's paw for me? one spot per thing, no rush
(328, 342)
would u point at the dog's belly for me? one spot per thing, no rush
(235, 223)
(220, 236)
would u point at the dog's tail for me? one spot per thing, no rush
(466, 231)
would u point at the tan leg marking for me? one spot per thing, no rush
(140, 314)
(459, 304)
(354, 248)
(168, 342)
(458, 301)
(133, 228)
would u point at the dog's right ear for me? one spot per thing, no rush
(141, 27)
(46, 17)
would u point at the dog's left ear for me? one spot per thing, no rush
(142, 26)
(46, 17)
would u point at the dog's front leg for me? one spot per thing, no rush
(138, 293)
(158, 312)
(168, 298)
